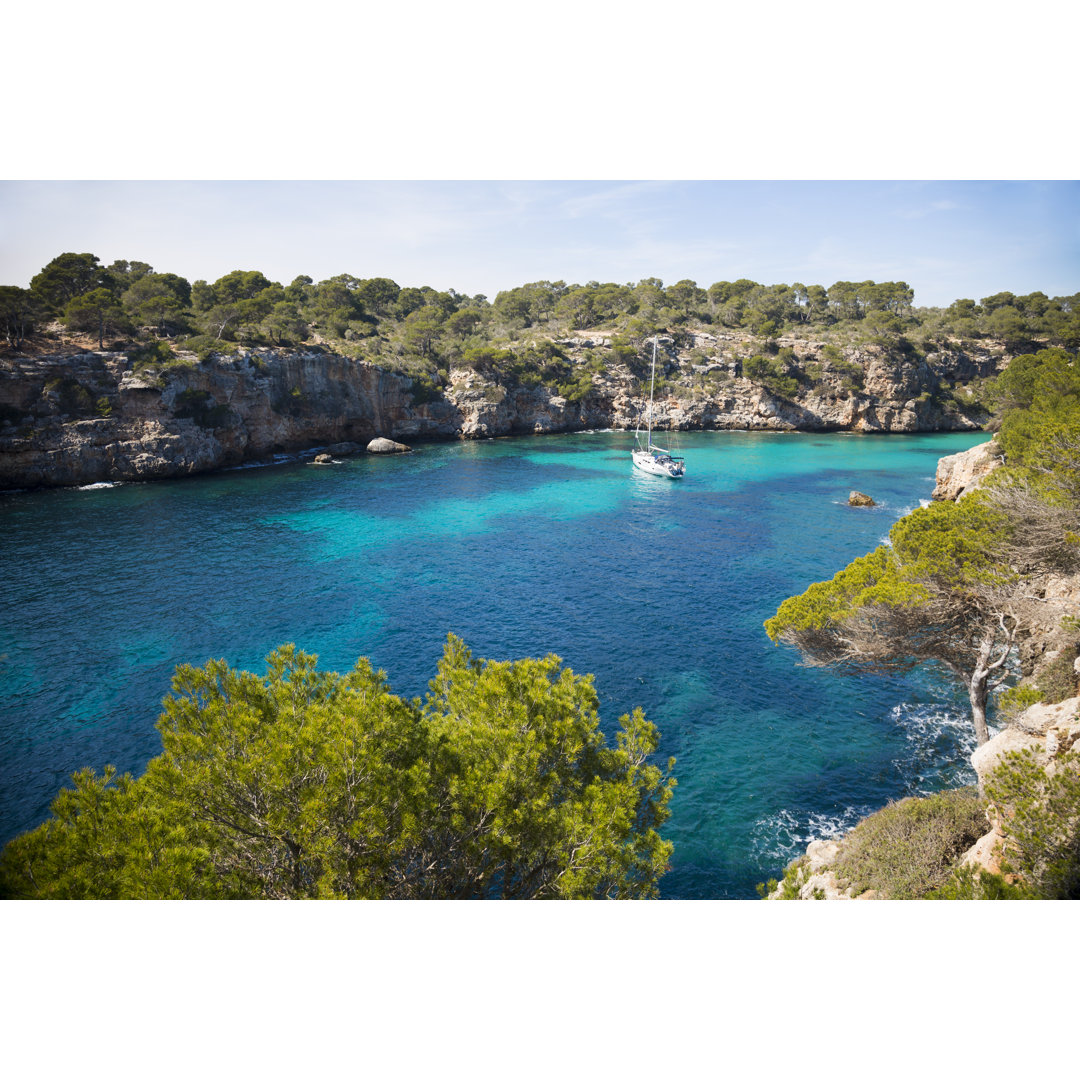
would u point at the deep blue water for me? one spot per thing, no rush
(522, 547)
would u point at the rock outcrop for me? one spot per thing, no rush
(386, 446)
(817, 881)
(92, 416)
(1047, 731)
(959, 474)
(857, 498)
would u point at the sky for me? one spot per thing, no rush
(946, 239)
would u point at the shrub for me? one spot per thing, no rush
(854, 377)
(424, 389)
(771, 373)
(576, 390)
(199, 406)
(152, 354)
(1057, 680)
(969, 883)
(206, 347)
(789, 884)
(73, 398)
(1011, 703)
(909, 848)
(1041, 814)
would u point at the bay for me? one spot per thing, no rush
(521, 546)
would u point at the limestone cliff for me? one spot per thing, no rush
(90, 417)
(959, 474)
(93, 416)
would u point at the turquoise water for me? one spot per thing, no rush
(522, 547)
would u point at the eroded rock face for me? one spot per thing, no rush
(959, 474)
(82, 418)
(77, 420)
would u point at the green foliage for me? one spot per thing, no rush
(909, 848)
(1041, 811)
(939, 592)
(853, 376)
(952, 543)
(310, 784)
(792, 879)
(868, 580)
(200, 406)
(98, 311)
(969, 883)
(206, 347)
(946, 544)
(624, 351)
(158, 299)
(1057, 680)
(244, 305)
(20, 313)
(69, 276)
(154, 354)
(425, 389)
(577, 389)
(1012, 702)
(772, 373)
(72, 396)
(109, 839)
(1038, 400)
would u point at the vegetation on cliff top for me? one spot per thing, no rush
(311, 784)
(423, 332)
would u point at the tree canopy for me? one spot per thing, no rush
(304, 783)
(422, 329)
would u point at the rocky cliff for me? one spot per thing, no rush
(91, 416)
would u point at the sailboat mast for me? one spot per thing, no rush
(652, 387)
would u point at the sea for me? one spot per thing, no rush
(521, 546)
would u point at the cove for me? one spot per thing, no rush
(521, 546)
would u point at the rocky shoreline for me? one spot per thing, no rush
(1048, 730)
(88, 417)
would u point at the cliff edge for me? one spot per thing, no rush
(84, 417)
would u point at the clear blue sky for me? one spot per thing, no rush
(947, 239)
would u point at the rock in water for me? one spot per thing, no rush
(387, 446)
(857, 498)
(323, 459)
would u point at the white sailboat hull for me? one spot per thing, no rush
(659, 463)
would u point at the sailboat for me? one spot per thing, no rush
(650, 458)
